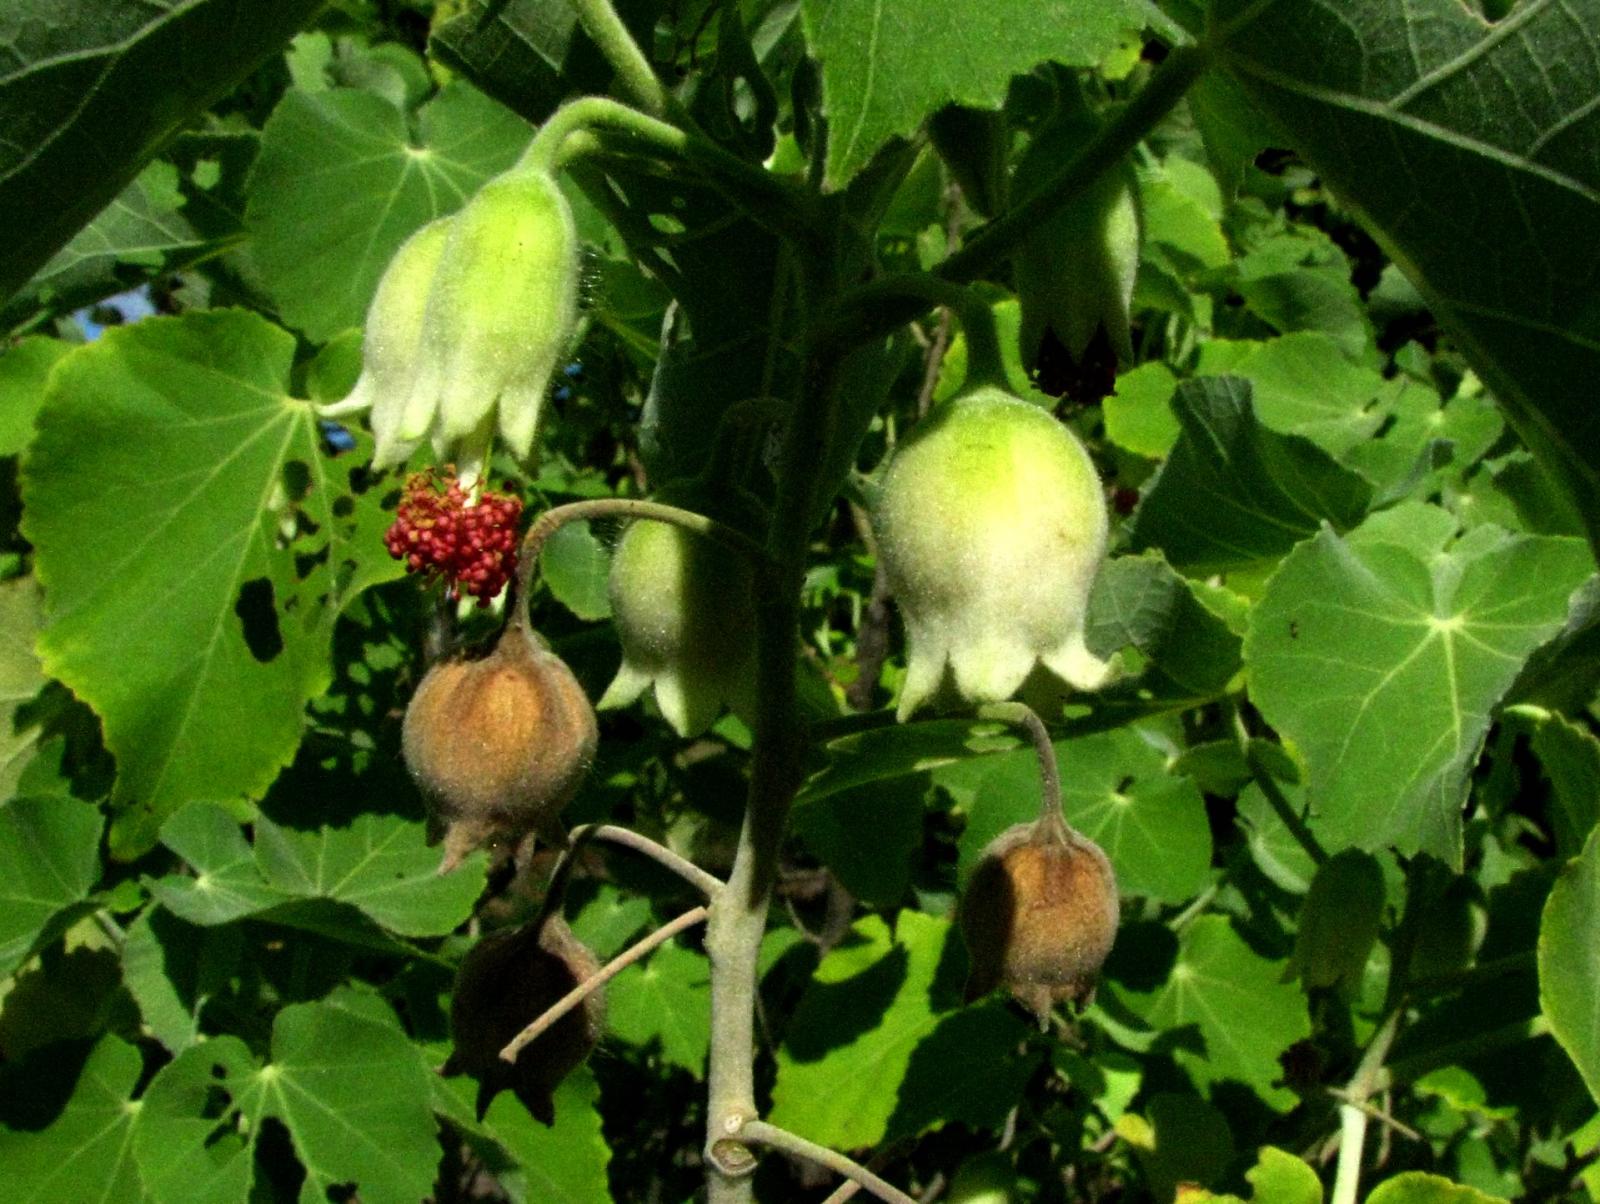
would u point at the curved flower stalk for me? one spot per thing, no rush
(991, 522)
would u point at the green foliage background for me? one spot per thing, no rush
(1349, 787)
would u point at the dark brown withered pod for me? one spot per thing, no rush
(505, 983)
(499, 743)
(1039, 915)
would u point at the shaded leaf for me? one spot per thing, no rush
(195, 543)
(89, 92)
(1468, 149)
(378, 864)
(888, 64)
(85, 1154)
(1569, 961)
(49, 862)
(665, 998)
(1232, 492)
(874, 1025)
(1235, 1002)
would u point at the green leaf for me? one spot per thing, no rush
(24, 368)
(1277, 1178)
(575, 565)
(874, 1026)
(1569, 961)
(340, 184)
(352, 1091)
(89, 92)
(874, 757)
(49, 862)
(84, 1155)
(1116, 790)
(142, 228)
(195, 544)
(172, 968)
(20, 678)
(1570, 756)
(1414, 1187)
(1382, 656)
(1140, 601)
(1139, 414)
(566, 1161)
(1238, 1013)
(1305, 384)
(1232, 492)
(867, 836)
(665, 998)
(378, 864)
(888, 64)
(1491, 207)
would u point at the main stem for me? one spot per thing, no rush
(738, 917)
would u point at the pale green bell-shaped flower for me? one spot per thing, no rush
(991, 523)
(684, 609)
(500, 314)
(468, 325)
(391, 341)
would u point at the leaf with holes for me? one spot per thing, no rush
(195, 543)
(350, 1088)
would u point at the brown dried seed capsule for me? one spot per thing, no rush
(1039, 916)
(499, 743)
(506, 982)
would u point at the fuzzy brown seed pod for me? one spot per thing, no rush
(1039, 915)
(506, 982)
(499, 743)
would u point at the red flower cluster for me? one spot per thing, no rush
(438, 530)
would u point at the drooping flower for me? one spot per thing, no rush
(685, 614)
(991, 523)
(468, 325)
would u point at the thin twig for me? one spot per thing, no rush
(1276, 799)
(760, 1133)
(707, 884)
(599, 978)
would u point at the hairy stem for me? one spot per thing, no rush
(739, 914)
(707, 884)
(1353, 1115)
(599, 979)
(1276, 799)
(869, 313)
(634, 73)
(1023, 716)
(552, 520)
(760, 1133)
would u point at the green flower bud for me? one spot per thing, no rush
(391, 342)
(685, 613)
(501, 310)
(991, 523)
(1076, 270)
